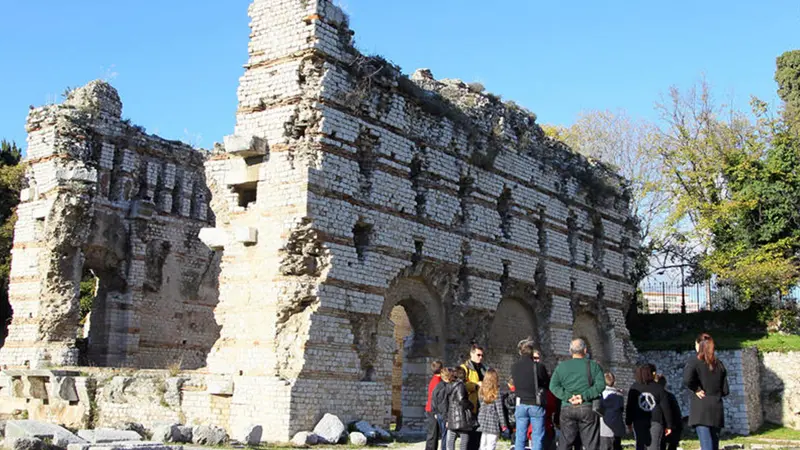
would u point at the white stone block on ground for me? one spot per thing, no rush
(125, 445)
(105, 435)
(357, 438)
(61, 437)
(329, 429)
(304, 439)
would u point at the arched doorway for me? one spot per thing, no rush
(414, 317)
(513, 322)
(587, 327)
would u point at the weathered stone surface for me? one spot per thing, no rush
(103, 195)
(125, 445)
(59, 436)
(357, 438)
(167, 433)
(304, 439)
(330, 429)
(185, 434)
(27, 443)
(106, 435)
(366, 429)
(209, 435)
(252, 435)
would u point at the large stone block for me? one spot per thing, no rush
(106, 435)
(61, 437)
(245, 145)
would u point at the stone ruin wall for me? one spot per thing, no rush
(348, 189)
(105, 196)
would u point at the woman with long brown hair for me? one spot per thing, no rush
(707, 378)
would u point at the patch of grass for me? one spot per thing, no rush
(725, 341)
(772, 431)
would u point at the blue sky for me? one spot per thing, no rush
(176, 63)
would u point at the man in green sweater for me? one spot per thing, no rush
(577, 382)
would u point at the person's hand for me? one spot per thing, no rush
(504, 429)
(630, 428)
(701, 394)
(668, 431)
(479, 383)
(576, 400)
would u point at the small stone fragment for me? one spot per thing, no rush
(358, 439)
(305, 439)
(209, 435)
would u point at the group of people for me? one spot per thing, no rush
(577, 407)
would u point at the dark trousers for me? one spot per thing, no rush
(648, 435)
(579, 421)
(708, 436)
(474, 440)
(672, 441)
(436, 432)
(610, 443)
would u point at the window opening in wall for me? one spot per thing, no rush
(598, 251)
(247, 193)
(572, 237)
(418, 251)
(361, 238)
(504, 210)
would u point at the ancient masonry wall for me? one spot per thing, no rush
(107, 199)
(743, 407)
(348, 189)
(780, 388)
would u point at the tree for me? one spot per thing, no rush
(736, 188)
(628, 144)
(787, 75)
(11, 179)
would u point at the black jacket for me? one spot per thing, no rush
(697, 376)
(522, 372)
(439, 399)
(509, 408)
(459, 408)
(648, 403)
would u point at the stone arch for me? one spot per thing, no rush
(513, 321)
(416, 297)
(587, 327)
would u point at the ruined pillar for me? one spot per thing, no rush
(93, 218)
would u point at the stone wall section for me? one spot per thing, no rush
(104, 196)
(743, 407)
(780, 388)
(353, 189)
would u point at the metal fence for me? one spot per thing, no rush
(664, 296)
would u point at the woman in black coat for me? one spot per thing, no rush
(460, 418)
(707, 377)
